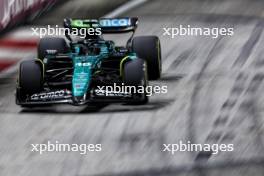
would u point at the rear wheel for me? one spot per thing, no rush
(58, 44)
(148, 48)
(135, 74)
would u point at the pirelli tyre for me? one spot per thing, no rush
(30, 78)
(135, 74)
(57, 44)
(148, 48)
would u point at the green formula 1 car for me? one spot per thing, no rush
(90, 69)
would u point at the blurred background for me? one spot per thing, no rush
(214, 94)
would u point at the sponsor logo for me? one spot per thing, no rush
(102, 92)
(84, 64)
(88, 23)
(122, 22)
(51, 95)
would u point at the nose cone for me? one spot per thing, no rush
(81, 78)
(80, 83)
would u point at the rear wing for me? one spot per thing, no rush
(107, 25)
(118, 25)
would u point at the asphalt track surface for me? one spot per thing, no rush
(214, 96)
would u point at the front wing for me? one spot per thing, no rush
(64, 96)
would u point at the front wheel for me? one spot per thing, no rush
(31, 76)
(30, 80)
(135, 74)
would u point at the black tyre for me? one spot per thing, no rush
(135, 74)
(58, 44)
(148, 48)
(30, 77)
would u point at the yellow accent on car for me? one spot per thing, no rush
(121, 64)
(43, 70)
(98, 71)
